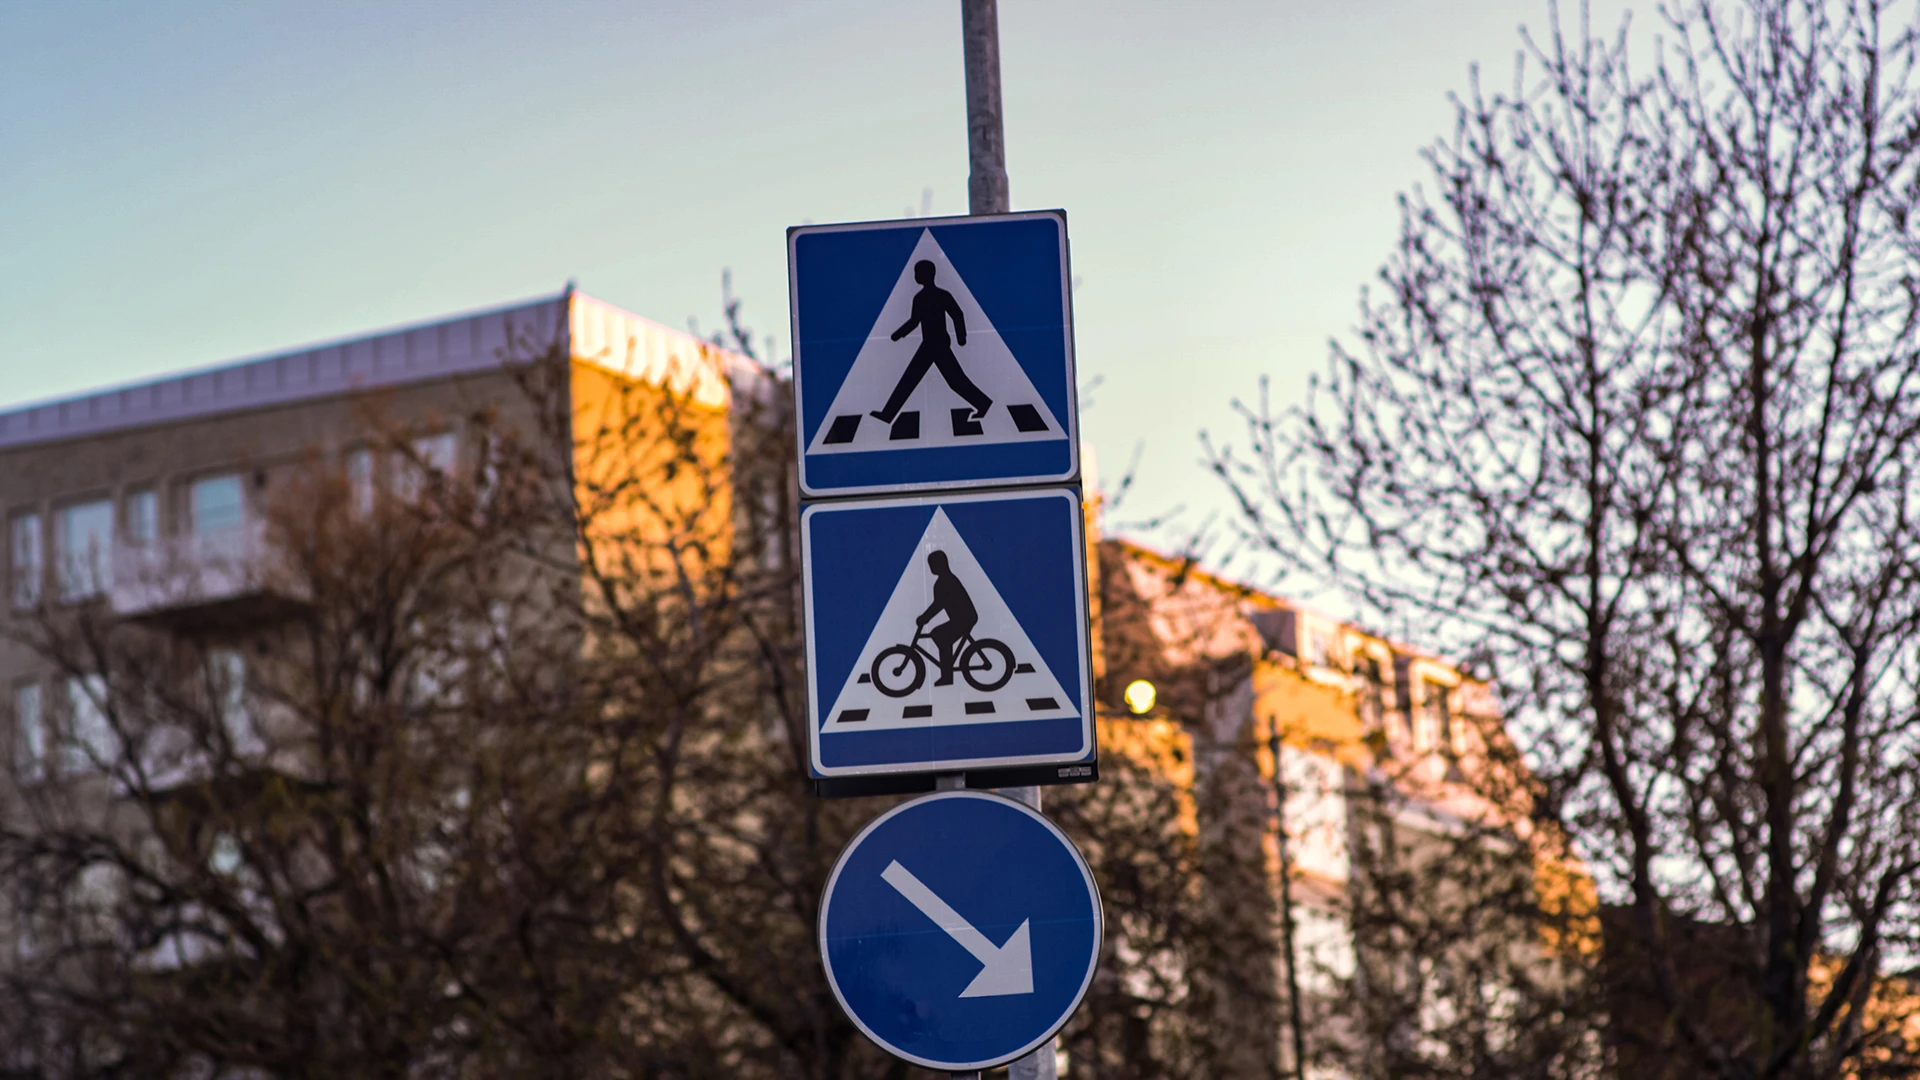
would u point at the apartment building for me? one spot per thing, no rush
(1344, 793)
(148, 502)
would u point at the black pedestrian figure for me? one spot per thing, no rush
(931, 307)
(951, 597)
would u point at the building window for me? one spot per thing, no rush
(143, 517)
(1373, 695)
(224, 857)
(1313, 645)
(1434, 730)
(83, 534)
(216, 504)
(29, 733)
(227, 682)
(30, 937)
(93, 901)
(436, 452)
(90, 743)
(492, 469)
(28, 559)
(432, 455)
(360, 489)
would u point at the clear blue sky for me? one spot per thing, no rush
(186, 182)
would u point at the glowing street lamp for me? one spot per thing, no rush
(1139, 697)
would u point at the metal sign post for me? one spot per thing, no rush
(945, 586)
(987, 194)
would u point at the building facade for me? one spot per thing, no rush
(150, 500)
(169, 547)
(1374, 897)
(1267, 814)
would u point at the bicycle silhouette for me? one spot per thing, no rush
(986, 664)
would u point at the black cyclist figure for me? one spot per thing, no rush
(986, 663)
(951, 597)
(932, 306)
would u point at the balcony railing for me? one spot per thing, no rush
(205, 574)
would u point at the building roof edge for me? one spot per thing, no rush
(465, 343)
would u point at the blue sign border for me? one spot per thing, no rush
(1019, 309)
(1093, 960)
(958, 747)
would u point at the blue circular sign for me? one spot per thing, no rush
(960, 930)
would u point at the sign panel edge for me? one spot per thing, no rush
(1080, 863)
(1088, 750)
(1072, 474)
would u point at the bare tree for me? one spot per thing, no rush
(1634, 424)
(506, 785)
(505, 776)
(291, 846)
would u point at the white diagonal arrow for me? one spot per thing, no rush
(1009, 967)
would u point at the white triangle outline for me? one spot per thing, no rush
(946, 705)
(881, 360)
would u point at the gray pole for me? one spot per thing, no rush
(987, 194)
(986, 140)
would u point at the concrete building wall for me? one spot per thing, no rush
(270, 422)
(264, 447)
(1356, 715)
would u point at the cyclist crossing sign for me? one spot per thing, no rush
(947, 632)
(933, 354)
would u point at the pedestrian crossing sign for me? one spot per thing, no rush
(947, 632)
(933, 354)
